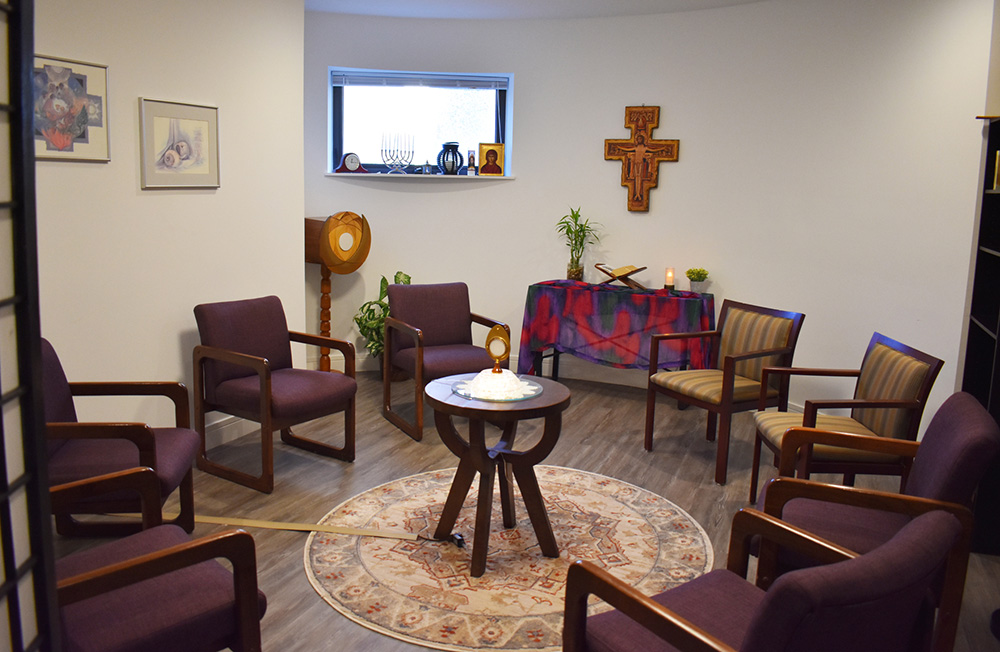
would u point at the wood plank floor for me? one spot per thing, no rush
(602, 433)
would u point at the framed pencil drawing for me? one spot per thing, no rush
(70, 110)
(179, 144)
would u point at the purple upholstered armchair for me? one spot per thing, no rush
(435, 324)
(876, 601)
(958, 446)
(83, 450)
(243, 367)
(157, 590)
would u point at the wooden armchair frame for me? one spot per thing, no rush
(236, 546)
(268, 424)
(139, 434)
(781, 490)
(723, 411)
(585, 579)
(414, 429)
(849, 469)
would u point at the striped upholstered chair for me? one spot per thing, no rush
(748, 339)
(889, 397)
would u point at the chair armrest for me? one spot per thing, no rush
(261, 366)
(729, 370)
(810, 371)
(811, 408)
(175, 391)
(412, 331)
(236, 546)
(797, 438)
(749, 524)
(585, 579)
(489, 322)
(762, 353)
(258, 364)
(782, 490)
(141, 479)
(138, 433)
(345, 347)
(679, 336)
(654, 344)
(766, 372)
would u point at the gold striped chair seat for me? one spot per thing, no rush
(772, 426)
(706, 385)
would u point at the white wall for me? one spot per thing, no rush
(121, 268)
(829, 163)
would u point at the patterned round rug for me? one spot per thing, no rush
(421, 591)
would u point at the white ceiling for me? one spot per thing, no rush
(513, 9)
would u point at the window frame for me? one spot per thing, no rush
(339, 77)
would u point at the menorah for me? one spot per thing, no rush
(397, 152)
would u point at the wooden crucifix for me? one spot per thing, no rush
(640, 154)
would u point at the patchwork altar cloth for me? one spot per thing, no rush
(612, 325)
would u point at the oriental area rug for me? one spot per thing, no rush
(421, 591)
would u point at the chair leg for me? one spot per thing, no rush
(412, 428)
(755, 469)
(650, 409)
(710, 428)
(185, 518)
(722, 452)
(345, 452)
(418, 409)
(263, 482)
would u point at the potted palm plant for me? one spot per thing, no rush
(578, 232)
(370, 317)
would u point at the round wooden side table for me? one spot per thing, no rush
(476, 457)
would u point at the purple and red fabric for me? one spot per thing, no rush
(612, 325)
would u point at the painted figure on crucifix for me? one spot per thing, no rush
(640, 155)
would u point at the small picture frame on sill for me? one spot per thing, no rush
(491, 159)
(179, 144)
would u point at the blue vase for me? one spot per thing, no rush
(449, 159)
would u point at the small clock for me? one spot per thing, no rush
(350, 162)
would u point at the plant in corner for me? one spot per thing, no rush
(579, 232)
(370, 317)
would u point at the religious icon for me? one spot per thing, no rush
(491, 159)
(640, 155)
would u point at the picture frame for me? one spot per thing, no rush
(70, 110)
(488, 168)
(996, 171)
(178, 144)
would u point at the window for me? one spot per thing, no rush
(376, 110)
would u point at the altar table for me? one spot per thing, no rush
(612, 325)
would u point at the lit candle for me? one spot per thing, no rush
(668, 279)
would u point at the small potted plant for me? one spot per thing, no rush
(370, 317)
(579, 232)
(699, 279)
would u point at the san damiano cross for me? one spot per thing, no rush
(641, 154)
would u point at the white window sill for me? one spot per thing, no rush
(420, 178)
